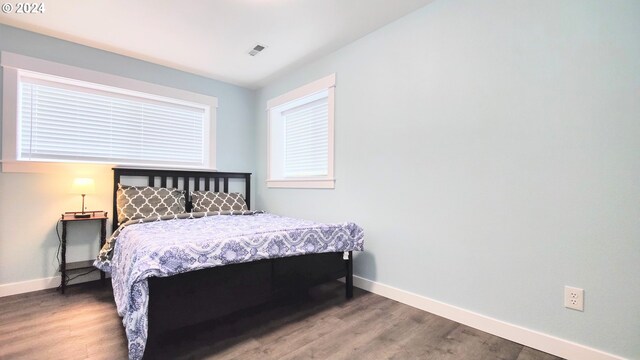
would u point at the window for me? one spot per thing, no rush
(301, 137)
(57, 113)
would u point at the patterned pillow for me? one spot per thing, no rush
(204, 201)
(135, 202)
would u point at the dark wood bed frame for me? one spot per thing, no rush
(199, 296)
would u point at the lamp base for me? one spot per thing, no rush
(82, 216)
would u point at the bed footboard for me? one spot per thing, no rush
(196, 297)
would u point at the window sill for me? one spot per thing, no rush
(43, 167)
(302, 183)
(46, 167)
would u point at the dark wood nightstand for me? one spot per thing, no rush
(79, 265)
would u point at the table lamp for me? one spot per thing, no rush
(82, 186)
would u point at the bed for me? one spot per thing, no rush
(171, 271)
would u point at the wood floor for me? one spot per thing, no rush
(83, 324)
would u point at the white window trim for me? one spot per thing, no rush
(326, 182)
(12, 64)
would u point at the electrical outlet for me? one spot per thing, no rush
(574, 298)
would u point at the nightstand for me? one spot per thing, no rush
(69, 217)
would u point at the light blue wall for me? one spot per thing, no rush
(30, 204)
(491, 151)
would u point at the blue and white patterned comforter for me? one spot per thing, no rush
(165, 248)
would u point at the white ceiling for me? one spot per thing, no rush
(212, 38)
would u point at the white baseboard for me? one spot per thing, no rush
(521, 335)
(29, 286)
(40, 284)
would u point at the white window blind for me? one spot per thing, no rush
(306, 139)
(60, 121)
(300, 136)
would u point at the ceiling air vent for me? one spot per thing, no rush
(256, 50)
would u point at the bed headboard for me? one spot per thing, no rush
(180, 179)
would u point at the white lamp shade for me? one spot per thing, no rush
(83, 186)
